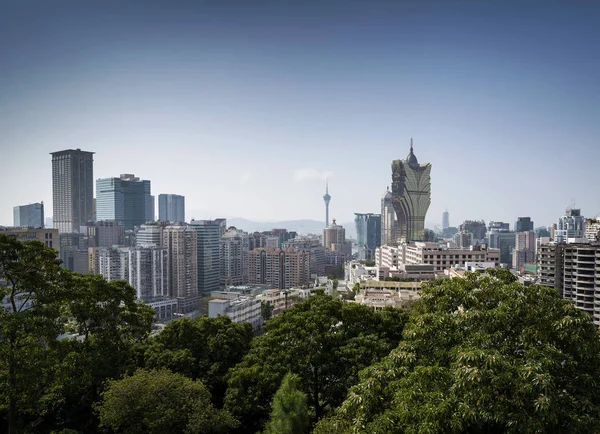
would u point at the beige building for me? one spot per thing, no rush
(47, 236)
(234, 257)
(379, 299)
(181, 244)
(438, 255)
(280, 268)
(334, 237)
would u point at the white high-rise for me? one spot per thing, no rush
(234, 257)
(571, 227)
(148, 272)
(389, 225)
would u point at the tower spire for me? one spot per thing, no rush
(326, 199)
(411, 144)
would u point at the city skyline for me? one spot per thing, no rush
(336, 95)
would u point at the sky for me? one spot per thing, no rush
(246, 107)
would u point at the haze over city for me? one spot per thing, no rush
(246, 108)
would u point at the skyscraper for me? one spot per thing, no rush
(209, 234)
(171, 208)
(72, 189)
(524, 252)
(445, 220)
(411, 196)
(326, 198)
(126, 199)
(389, 225)
(181, 243)
(31, 215)
(571, 227)
(368, 234)
(523, 224)
(234, 257)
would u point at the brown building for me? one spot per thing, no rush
(47, 236)
(280, 268)
(181, 243)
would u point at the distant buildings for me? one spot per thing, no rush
(48, 236)
(389, 224)
(148, 272)
(368, 234)
(463, 239)
(234, 257)
(524, 224)
(280, 268)
(592, 229)
(524, 252)
(505, 241)
(171, 208)
(209, 234)
(126, 199)
(112, 262)
(477, 228)
(72, 189)
(334, 239)
(411, 196)
(104, 233)
(31, 215)
(240, 309)
(571, 227)
(500, 226)
(445, 220)
(181, 243)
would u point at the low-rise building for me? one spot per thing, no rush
(240, 309)
(379, 299)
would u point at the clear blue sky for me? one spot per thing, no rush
(245, 107)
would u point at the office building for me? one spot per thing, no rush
(73, 252)
(411, 196)
(571, 227)
(234, 257)
(326, 199)
(181, 243)
(171, 208)
(368, 234)
(389, 224)
(48, 236)
(148, 272)
(105, 233)
(126, 199)
(31, 215)
(505, 241)
(477, 228)
(463, 239)
(72, 189)
(524, 252)
(500, 226)
(209, 234)
(524, 224)
(150, 234)
(445, 220)
(280, 268)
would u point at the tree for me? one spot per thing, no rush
(203, 348)
(266, 311)
(289, 414)
(31, 283)
(482, 355)
(323, 341)
(159, 402)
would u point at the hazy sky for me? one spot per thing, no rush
(245, 107)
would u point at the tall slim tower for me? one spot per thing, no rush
(326, 198)
(445, 220)
(72, 189)
(389, 225)
(411, 196)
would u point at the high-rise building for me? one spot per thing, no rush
(234, 257)
(31, 215)
(112, 262)
(327, 199)
(501, 226)
(148, 272)
(411, 196)
(280, 268)
(209, 234)
(334, 237)
(368, 234)
(592, 229)
(571, 227)
(316, 251)
(571, 269)
(105, 233)
(150, 235)
(505, 241)
(126, 199)
(171, 208)
(181, 243)
(389, 224)
(477, 228)
(523, 224)
(445, 220)
(463, 239)
(524, 252)
(72, 189)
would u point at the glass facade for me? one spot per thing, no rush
(126, 200)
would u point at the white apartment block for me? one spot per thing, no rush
(111, 262)
(438, 255)
(234, 257)
(241, 309)
(148, 272)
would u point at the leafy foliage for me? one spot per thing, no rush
(289, 414)
(323, 341)
(157, 402)
(482, 355)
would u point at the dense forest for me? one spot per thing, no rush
(483, 354)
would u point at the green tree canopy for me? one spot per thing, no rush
(158, 402)
(289, 411)
(322, 340)
(203, 348)
(482, 355)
